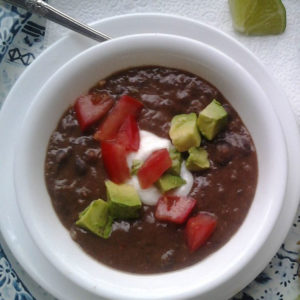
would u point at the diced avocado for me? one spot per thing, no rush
(212, 119)
(136, 164)
(123, 200)
(96, 219)
(168, 182)
(197, 159)
(176, 162)
(184, 132)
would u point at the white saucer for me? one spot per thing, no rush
(11, 224)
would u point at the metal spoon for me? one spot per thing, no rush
(43, 9)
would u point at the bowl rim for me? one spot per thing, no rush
(18, 159)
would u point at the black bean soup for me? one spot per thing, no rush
(75, 174)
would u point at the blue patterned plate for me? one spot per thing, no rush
(21, 40)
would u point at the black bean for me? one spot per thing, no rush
(91, 155)
(80, 165)
(63, 154)
(224, 153)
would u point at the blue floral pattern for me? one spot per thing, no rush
(280, 279)
(11, 20)
(11, 288)
(21, 40)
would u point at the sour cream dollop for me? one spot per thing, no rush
(149, 143)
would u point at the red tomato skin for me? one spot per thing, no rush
(198, 229)
(154, 166)
(129, 135)
(114, 160)
(174, 209)
(91, 108)
(110, 126)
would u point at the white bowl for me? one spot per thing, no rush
(75, 78)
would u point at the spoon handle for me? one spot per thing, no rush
(43, 9)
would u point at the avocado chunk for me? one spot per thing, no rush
(197, 159)
(168, 182)
(96, 219)
(212, 119)
(176, 162)
(184, 132)
(123, 200)
(136, 164)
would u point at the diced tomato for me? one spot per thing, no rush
(115, 163)
(154, 166)
(198, 229)
(91, 108)
(174, 209)
(110, 126)
(129, 135)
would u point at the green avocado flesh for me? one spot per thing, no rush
(136, 164)
(184, 132)
(96, 219)
(168, 182)
(123, 200)
(212, 119)
(176, 162)
(197, 159)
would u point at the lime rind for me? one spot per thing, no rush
(258, 17)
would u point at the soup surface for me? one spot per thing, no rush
(75, 175)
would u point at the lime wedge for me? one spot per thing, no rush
(258, 17)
